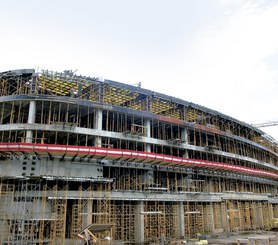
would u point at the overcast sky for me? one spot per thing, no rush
(222, 54)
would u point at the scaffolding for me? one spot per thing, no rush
(78, 211)
(84, 155)
(154, 222)
(124, 216)
(43, 215)
(208, 220)
(22, 214)
(6, 197)
(194, 219)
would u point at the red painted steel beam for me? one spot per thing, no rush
(107, 153)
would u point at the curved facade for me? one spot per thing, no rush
(133, 164)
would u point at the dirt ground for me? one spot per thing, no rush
(232, 239)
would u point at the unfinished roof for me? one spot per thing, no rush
(113, 93)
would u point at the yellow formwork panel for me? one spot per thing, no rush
(173, 114)
(137, 106)
(55, 86)
(158, 105)
(118, 96)
(191, 115)
(59, 86)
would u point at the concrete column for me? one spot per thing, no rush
(147, 125)
(212, 218)
(181, 220)
(89, 219)
(260, 215)
(225, 218)
(139, 223)
(149, 176)
(184, 138)
(31, 120)
(98, 126)
(4, 226)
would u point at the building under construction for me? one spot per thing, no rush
(132, 164)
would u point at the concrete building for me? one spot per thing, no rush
(133, 164)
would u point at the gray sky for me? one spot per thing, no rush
(222, 54)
